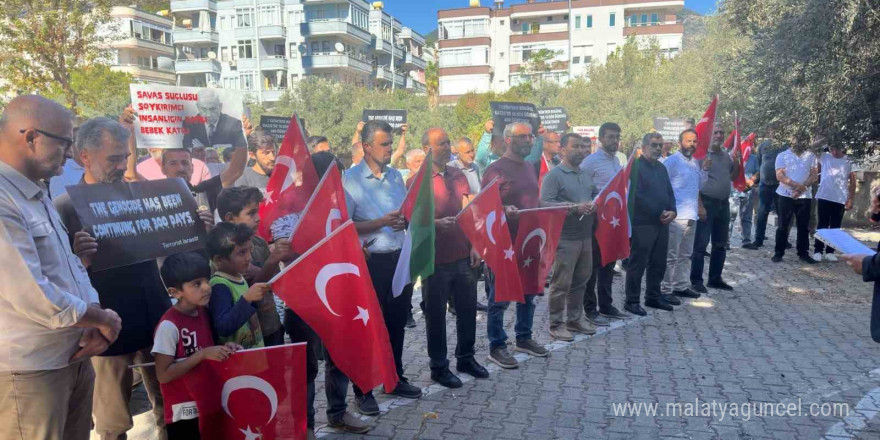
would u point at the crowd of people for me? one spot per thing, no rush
(72, 334)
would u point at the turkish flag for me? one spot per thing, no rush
(325, 211)
(255, 394)
(545, 168)
(612, 230)
(293, 181)
(745, 149)
(485, 225)
(330, 288)
(704, 130)
(536, 241)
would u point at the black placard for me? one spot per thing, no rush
(504, 113)
(669, 128)
(554, 119)
(277, 125)
(395, 118)
(140, 221)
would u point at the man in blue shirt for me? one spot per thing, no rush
(374, 193)
(767, 152)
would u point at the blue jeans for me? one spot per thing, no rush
(525, 315)
(743, 206)
(713, 229)
(766, 203)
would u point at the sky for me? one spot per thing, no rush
(421, 15)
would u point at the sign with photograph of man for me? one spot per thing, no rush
(187, 117)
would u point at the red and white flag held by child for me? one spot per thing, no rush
(613, 229)
(325, 211)
(255, 394)
(704, 130)
(536, 240)
(485, 225)
(293, 181)
(330, 288)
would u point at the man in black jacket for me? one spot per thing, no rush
(868, 266)
(211, 127)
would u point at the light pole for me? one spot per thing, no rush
(570, 20)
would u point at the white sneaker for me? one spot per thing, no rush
(831, 257)
(817, 256)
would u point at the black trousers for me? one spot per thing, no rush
(791, 210)
(453, 280)
(599, 286)
(394, 310)
(830, 216)
(647, 257)
(715, 230)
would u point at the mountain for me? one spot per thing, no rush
(431, 38)
(145, 5)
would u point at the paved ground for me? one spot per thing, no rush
(792, 336)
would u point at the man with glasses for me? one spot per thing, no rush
(721, 169)
(52, 319)
(262, 150)
(653, 208)
(601, 167)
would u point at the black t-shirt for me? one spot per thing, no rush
(207, 191)
(134, 292)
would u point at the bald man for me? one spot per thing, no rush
(53, 324)
(211, 127)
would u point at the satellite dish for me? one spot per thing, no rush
(303, 48)
(340, 47)
(212, 55)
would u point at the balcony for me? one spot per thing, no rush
(657, 29)
(334, 27)
(335, 60)
(273, 94)
(408, 33)
(538, 37)
(193, 5)
(413, 61)
(273, 63)
(246, 63)
(244, 33)
(148, 74)
(196, 66)
(195, 36)
(142, 44)
(414, 85)
(385, 74)
(272, 32)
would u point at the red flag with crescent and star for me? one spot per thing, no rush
(745, 149)
(536, 241)
(485, 225)
(325, 211)
(293, 181)
(613, 229)
(330, 288)
(254, 394)
(704, 130)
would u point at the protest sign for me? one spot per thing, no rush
(395, 118)
(187, 117)
(669, 128)
(504, 113)
(591, 132)
(140, 221)
(277, 125)
(554, 119)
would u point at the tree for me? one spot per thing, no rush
(100, 90)
(540, 63)
(432, 83)
(45, 42)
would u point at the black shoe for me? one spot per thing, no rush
(473, 368)
(672, 300)
(751, 246)
(807, 259)
(686, 293)
(788, 246)
(659, 303)
(366, 405)
(612, 312)
(720, 285)
(446, 378)
(482, 307)
(635, 309)
(776, 258)
(758, 244)
(410, 321)
(404, 389)
(699, 288)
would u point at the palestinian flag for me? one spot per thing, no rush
(417, 254)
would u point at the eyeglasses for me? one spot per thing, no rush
(656, 145)
(67, 141)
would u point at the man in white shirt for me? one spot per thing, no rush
(796, 170)
(835, 195)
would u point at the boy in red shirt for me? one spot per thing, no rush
(184, 332)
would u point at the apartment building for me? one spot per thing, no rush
(142, 45)
(483, 49)
(263, 46)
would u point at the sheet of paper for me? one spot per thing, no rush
(843, 242)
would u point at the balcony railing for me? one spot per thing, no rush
(415, 61)
(197, 66)
(334, 27)
(335, 60)
(190, 36)
(273, 63)
(674, 28)
(385, 74)
(141, 43)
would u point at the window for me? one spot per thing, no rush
(247, 80)
(360, 18)
(224, 24)
(245, 49)
(565, 17)
(315, 47)
(269, 15)
(654, 19)
(502, 22)
(576, 60)
(463, 57)
(279, 51)
(612, 18)
(224, 54)
(464, 28)
(633, 20)
(244, 17)
(644, 19)
(536, 28)
(294, 52)
(525, 28)
(589, 21)
(230, 83)
(577, 22)
(295, 17)
(549, 18)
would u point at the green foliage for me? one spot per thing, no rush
(101, 91)
(152, 6)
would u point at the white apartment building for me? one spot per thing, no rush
(262, 46)
(142, 45)
(483, 49)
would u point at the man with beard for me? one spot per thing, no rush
(211, 127)
(464, 150)
(135, 292)
(796, 169)
(151, 168)
(550, 153)
(261, 149)
(374, 192)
